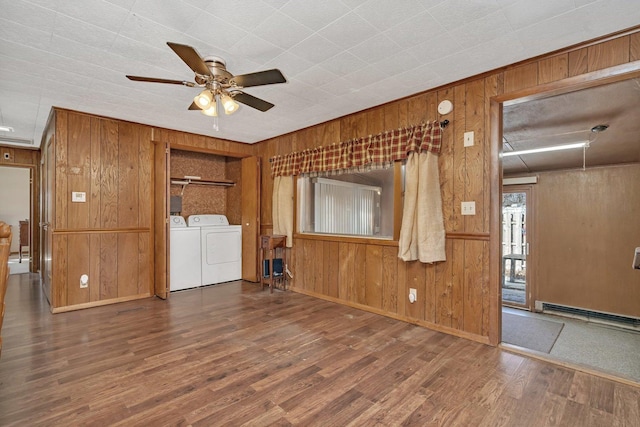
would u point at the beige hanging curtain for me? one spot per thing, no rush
(282, 207)
(422, 231)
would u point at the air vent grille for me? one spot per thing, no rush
(592, 315)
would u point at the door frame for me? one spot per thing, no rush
(596, 78)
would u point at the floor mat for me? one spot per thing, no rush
(531, 333)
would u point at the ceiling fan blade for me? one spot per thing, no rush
(251, 101)
(260, 78)
(194, 106)
(155, 80)
(191, 58)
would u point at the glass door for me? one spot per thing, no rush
(515, 247)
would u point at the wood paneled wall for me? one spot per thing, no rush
(28, 158)
(587, 229)
(461, 295)
(108, 236)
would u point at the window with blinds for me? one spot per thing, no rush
(358, 204)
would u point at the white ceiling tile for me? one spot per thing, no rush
(254, 13)
(382, 51)
(436, 48)
(259, 50)
(144, 30)
(523, 13)
(26, 36)
(277, 4)
(176, 14)
(48, 4)
(315, 15)
(375, 49)
(289, 64)
(125, 4)
(343, 63)
(315, 49)
(348, 31)
(28, 14)
(482, 30)
(99, 13)
(282, 31)
(419, 29)
(214, 31)
(315, 76)
(83, 32)
(452, 14)
(538, 37)
(385, 13)
(605, 16)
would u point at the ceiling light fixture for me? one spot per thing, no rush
(212, 110)
(204, 99)
(545, 149)
(230, 106)
(6, 129)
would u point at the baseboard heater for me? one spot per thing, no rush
(595, 316)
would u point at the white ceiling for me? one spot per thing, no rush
(339, 56)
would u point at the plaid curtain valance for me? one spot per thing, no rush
(370, 151)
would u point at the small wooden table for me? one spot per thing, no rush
(273, 247)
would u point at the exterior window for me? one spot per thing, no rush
(353, 204)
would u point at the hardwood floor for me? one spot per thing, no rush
(232, 354)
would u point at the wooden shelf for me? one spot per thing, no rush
(188, 181)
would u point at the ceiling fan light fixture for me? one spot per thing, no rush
(204, 99)
(230, 106)
(212, 110)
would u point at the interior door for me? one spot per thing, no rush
(516, 232)
(250, 182)
(161, 219)
(48, 169)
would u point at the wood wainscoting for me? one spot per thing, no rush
(108, 235)
(464, 291)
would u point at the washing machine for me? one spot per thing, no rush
(185, 255)
(221, 248)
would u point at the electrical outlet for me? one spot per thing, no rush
(413, 295)
(468, 139)
(84, 281)
(468, 208)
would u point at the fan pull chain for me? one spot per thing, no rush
(215, 124)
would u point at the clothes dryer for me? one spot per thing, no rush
(221, 248)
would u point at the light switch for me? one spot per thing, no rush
(468, 139)
(78, 196)
(468, 208)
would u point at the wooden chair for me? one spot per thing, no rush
(5, 249)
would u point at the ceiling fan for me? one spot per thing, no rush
(218, 83)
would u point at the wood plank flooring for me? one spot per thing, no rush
(234, 355)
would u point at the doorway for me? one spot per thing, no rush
(582, 342)
(16, 188)
(516, 212)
